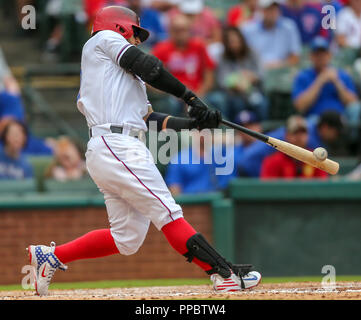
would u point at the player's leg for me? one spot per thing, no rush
(137, 180)
(126, 234)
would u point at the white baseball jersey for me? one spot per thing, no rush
(109, 94)
(122, 166)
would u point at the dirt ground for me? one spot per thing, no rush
(281, 291)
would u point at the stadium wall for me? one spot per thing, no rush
(48, 220)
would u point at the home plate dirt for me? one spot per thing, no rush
(281, 291)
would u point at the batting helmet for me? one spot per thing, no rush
(121, 20)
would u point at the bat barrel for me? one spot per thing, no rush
(293, 151)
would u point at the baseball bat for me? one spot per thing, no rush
(290, 149)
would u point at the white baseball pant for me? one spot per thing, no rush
(134, 191)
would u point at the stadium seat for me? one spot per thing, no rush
(40, 164)
(345, 58)
(81, 186)
(17, 187)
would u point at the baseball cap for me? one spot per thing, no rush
(267, 3)
(191, 6)
(319, 43)
(246, 117)
(296, 123)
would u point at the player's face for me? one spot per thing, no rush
(135, 41)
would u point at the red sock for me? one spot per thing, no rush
(177, 233)
(95, 244)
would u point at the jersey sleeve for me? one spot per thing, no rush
(113, 45)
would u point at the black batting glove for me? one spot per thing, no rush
(211, 119)
(205, 117)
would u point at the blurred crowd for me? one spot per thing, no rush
(229, 58)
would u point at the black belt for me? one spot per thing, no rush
(113, 129)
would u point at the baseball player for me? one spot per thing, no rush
(113, 99)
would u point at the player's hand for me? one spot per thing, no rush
(205, 117)
(211, 119)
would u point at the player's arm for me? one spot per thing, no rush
(150, 69)
(164, 121)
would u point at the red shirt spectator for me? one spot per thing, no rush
(280, 165)
(187, 64)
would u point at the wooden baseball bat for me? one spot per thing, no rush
(290, 149)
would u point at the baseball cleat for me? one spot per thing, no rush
(45, 263)
(235, 283)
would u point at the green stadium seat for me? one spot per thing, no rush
(345, 58)
(40, 164)
(81, 186)
(17, 187)
(280, 79)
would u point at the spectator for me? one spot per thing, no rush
(198, 174)
(323, 87)
(13, 163)
(325, 132)
(249, 120)
(328, 132)
(245, 11)
(280, 165)
(162, 5)
(203, 23)
(307, 17)
(60, 13)
(10, 100)
(242, 142)
(68, 164)
(274, 38)
(187, 59)
(150, 20)
(238, 78)
(348, 31)
(11, 108)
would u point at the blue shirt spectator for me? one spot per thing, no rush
(151, 20)
(275, 39)
(11, 106)
(307, 17)
(11, 168)
(322, 87)
(191, 177)
(13, 163)
(328, 98)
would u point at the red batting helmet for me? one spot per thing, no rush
(121, 20)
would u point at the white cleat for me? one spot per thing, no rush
(45, 263)
(235, 283)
